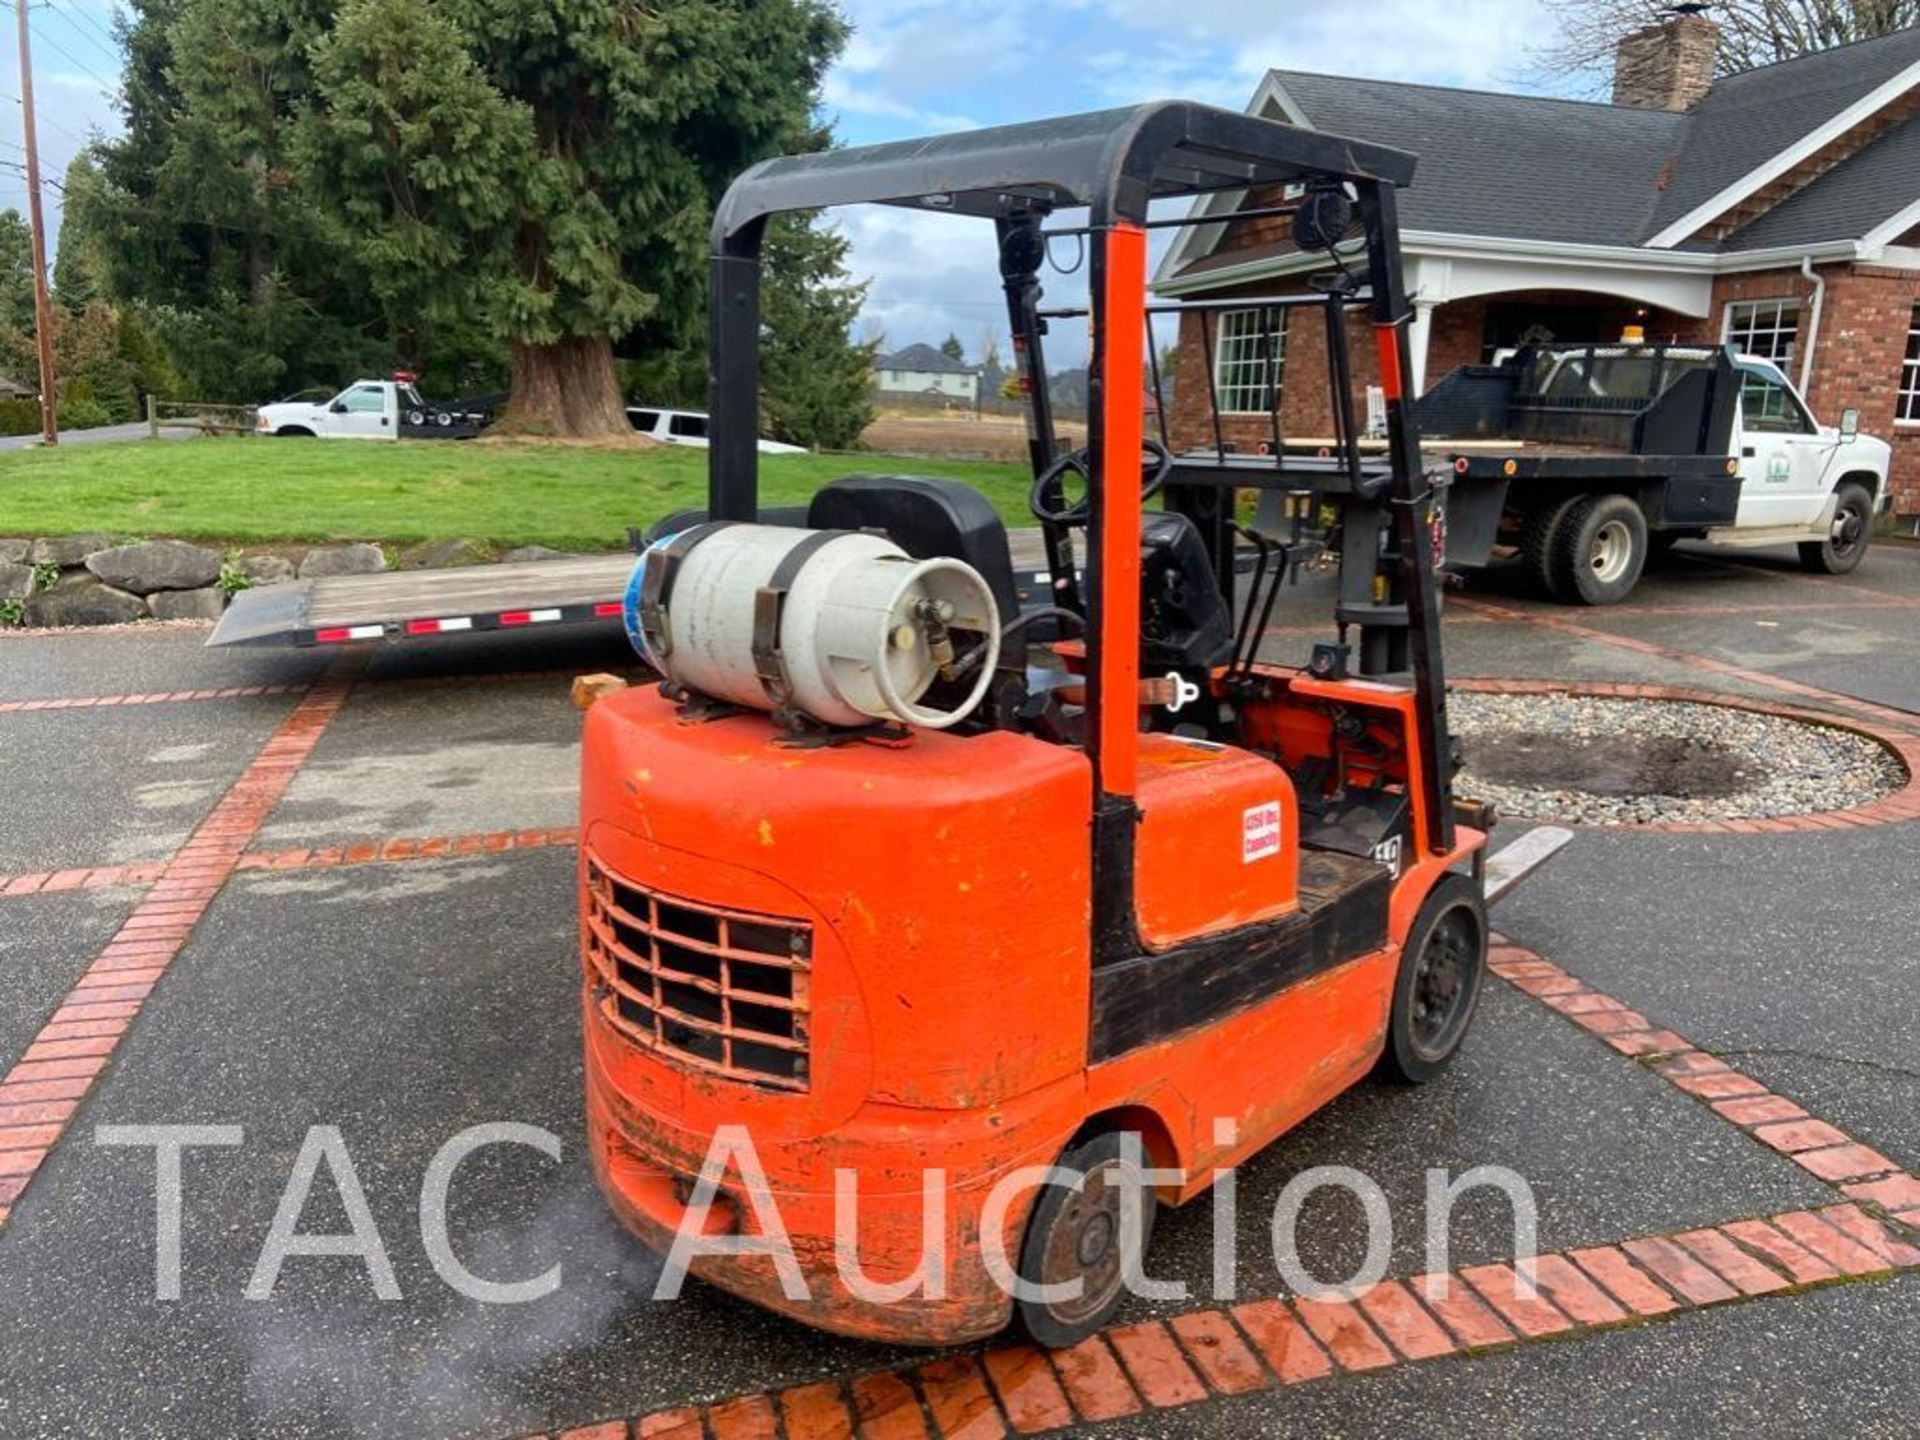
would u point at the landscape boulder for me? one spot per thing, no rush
(267, 569)
(14, 551)
(156, 565)
(206, 603)
(343, 560)
(82, 600)
(66, 550)
(522, 553)
(16, 581)
(443, 554)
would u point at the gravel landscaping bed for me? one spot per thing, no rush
(1598, 761)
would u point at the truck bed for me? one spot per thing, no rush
(395, 604)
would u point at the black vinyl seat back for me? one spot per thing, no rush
(1185, 621)
(927, 517)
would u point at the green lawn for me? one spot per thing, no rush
(255, 490)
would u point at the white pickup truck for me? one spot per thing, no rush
(374, 410)
(1586, 459)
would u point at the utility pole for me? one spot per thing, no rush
(42, 303)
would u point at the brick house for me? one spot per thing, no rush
(1778, 209)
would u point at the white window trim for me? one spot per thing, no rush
(1220, 384)
(1908, 357)
(1726, 321)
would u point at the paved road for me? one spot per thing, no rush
(102, 435)
(404, 999)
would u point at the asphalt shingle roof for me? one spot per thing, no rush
(924, 358)
(1846, 202)
(1518, 165)
(1748, 118)
(1535, 168)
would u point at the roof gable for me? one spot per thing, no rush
(1818, 148)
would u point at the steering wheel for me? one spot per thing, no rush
(1156, 463)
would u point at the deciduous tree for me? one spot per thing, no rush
(1752, 32)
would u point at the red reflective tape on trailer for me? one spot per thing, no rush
(1387, 338)
(528, 617)
(348, 632)
(608, 607)
(439, 627)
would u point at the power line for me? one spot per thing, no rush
(76, 60)
(72, 13)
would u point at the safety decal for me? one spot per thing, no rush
(1260, 832)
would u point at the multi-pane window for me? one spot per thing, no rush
(1248, 360)
(1764, 328)
(1909, 404)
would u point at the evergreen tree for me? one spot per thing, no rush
(552, 169)
(815, 382)
(953, 349)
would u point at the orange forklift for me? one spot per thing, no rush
(901, 876)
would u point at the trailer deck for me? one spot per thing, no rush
(393, 604)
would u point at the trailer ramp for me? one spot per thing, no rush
(404, 604)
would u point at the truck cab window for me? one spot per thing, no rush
(364, 400)
(688, 427)
(1767, 404)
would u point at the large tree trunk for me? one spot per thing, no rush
(565, 389)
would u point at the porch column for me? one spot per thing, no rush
(1419, 331)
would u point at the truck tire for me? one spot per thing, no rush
(1077, 1234)
(1599, 549)
(1438, 985)
(1536, 541)
(297, 432)
(1846, 542)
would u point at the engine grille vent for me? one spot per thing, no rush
(722, 991)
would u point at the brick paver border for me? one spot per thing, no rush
(39, 1095)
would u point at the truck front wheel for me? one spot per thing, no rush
(1598, 550)
(1847, 536)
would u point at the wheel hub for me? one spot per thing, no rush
(1612, 551)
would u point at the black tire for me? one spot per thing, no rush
(1079, 1233)
(1438, 988)
(1598, 551)
(1536, 541)
(293, 432)
(1846, 543)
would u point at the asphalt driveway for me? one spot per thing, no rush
(302, 894)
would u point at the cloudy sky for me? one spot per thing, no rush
(917, 66)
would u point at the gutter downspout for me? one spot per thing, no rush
(1819, 283)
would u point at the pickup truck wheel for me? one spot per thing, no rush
(1847, 537)
(1079, 1234)
(1536, 541)
(298, 432)
(1599, 549)
(1438, 985)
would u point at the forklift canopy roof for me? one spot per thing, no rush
(1113, 161)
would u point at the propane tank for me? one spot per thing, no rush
(859, 629)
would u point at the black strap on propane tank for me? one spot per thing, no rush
(657, 589)
(769, 607)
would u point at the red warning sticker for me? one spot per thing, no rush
(1260, 832)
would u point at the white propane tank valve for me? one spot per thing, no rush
(843, 627)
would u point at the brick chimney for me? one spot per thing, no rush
(1669, 65)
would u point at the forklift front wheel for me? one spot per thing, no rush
(1438, 987)
(1082, 1233)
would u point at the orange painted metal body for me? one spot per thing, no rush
(946, 886)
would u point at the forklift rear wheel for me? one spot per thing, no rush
(1438, 987)
(1598, 550)
(1847, 536)
(1078, 1233)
